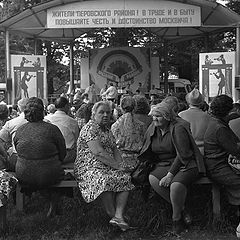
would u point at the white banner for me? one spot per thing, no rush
(122, 13)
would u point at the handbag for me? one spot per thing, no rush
(234, 163)
(139, 175)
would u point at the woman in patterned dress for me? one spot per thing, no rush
(128, 132)
(97, 166)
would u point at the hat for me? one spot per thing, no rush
(194, 97)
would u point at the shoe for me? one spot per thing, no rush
(187, 218)
(119, 222)
(178, 226)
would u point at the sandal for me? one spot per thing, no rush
(119, 222)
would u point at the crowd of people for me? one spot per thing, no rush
(105, 142)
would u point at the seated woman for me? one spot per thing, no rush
(97, 166)
(178, 162)
(83, 114)
(41, 149)
(219, 142)
(128, 132)
(141, 111)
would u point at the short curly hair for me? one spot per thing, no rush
(34, 110)
(97, 105)
(142, 105)
(221, 106)
(128, 104)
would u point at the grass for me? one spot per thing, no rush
(88, 221)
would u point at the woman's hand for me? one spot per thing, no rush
(166, 181)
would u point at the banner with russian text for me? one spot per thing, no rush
(121, 13)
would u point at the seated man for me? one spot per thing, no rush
(8, 131)
(67, 125)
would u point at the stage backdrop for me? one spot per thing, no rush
(217, 74)
(121, 66)
(29, 77)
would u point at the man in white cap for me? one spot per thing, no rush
(197, 118)
(8, 132)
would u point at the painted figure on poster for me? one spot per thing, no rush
(23, 85)
(24, 61)
(37, 63)
(221, 59)
(208, 60)
(223, 82)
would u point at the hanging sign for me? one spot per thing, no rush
(117, 14)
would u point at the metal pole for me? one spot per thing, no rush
(35, 46)
(237, 50)
(8, 65)
(7, 54)
(71, 72)
(165, 67)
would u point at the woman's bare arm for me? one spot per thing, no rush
(101, 154)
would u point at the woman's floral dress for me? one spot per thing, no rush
(129, 135)
(93, 176)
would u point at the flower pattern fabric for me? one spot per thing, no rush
(7, 184)
(93, 176)
(129, 134)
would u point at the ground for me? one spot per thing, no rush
(150, 220)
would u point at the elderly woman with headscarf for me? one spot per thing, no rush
(178, 162)
(219, 142)
(128, 132)
(98, 169)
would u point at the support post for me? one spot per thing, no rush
(8, 63)
(237, 74)
(35, 46)
(165, 67)
(71, 72)
(238, 50)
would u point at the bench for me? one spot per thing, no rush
(216, 207)
(72, 183)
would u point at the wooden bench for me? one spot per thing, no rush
(72, 183)
(216, 207)
(20, 197)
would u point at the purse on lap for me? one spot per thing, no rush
(139, 175)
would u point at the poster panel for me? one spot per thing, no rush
(124, 67)
(121, 13)
(217, 74)
(28, 76)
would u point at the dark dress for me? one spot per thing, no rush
(174, 152)
(219, 142)
(41, 149)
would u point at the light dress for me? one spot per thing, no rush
(129, 134)
(93, 176)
